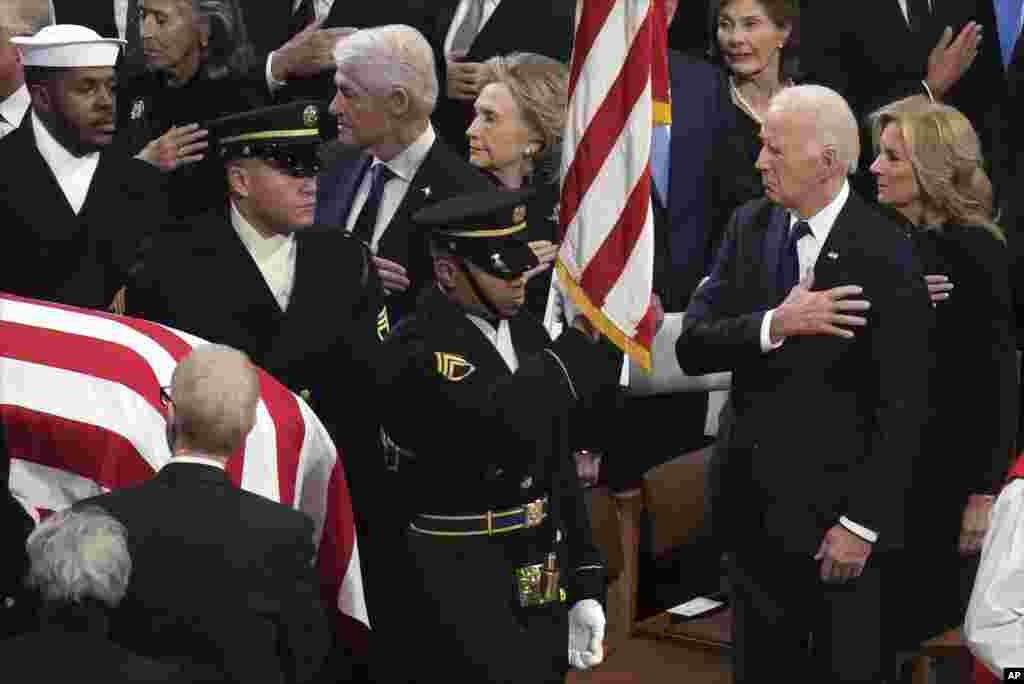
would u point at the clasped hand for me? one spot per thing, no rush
(824, 312)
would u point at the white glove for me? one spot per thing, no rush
(586, 634)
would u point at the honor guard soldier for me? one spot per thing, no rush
(256, 274)
(503, 577)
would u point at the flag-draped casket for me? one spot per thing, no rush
(80, 400)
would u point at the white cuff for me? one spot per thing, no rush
(272, 83)
(766, 339)
(859, 530)
(928, 90)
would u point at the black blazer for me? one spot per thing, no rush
(441, 175)
(52, 254)
(866, 52)
(822, 427)
(220, 576)
(542, 26)
(203, 280)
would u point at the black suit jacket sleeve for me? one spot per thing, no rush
(899, 364)
(716, 335)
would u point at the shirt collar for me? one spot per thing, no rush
(821, 223)
(14, 107)
(193, 458)
(258, 246)
(61, 161)
(407, 162)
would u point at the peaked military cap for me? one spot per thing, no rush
(288, 134)
(486, 228)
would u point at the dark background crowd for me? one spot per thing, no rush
(256, 173)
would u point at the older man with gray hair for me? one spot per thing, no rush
(222, 577)
(80, 568)
(387, 91)
(817, 305)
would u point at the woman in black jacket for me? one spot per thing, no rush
(930, 171)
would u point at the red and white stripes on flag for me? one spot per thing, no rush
(80, 399)
(606, 261)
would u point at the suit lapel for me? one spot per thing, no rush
(337, 191)
(249, 293)
(463, 337)
(394, 242)
(774, 239)
(37, 174)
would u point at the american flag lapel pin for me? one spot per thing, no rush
(427, 191)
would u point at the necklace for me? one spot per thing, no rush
(742, 102)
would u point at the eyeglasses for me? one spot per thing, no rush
(165, 395)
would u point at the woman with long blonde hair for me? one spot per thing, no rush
(930, 171)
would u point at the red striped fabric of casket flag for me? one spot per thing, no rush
(618, 90)
(80, 399)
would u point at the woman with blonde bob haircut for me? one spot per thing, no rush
(516, 138)
(930, 170)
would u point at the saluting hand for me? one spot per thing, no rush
(180, 146)
(824, 312)
(545, 251)
(309, 53)
(950, 58)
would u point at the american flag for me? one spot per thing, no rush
(80, 399)
(618, 91)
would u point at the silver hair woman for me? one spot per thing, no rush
(182, 37)
(78, 556)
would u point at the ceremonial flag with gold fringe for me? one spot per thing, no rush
(618, 92)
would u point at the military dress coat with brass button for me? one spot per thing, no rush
(480, 437)
(324, 346)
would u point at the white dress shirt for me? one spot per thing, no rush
(74, 174)
(195, 458)
(274, 256)
(404, 167)
(460, 15)
(13, 110)
(500, 338)
(994, 627)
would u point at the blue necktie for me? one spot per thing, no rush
(365, 224)
(789, 261)
(1008, 25)
(661, 142)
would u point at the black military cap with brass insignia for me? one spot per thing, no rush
(287, 135)
(486, 228)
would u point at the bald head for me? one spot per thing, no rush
(214, 394)
(832, 121)
(384, 58)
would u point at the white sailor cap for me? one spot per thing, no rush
(68, 45)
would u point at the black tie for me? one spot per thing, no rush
(302, 17)
(918, 14)
(789, 263)
(364, 226)
(133, 36)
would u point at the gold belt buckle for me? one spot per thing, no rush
(538, 584)
(535, 513)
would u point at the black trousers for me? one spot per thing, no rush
(788, 625)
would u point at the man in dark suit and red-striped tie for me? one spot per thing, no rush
(818, 307)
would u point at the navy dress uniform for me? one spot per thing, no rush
(498, 539)
(321, 339)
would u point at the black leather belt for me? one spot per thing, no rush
(483, 524)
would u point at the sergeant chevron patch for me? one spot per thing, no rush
(383, 326)
(453, 367)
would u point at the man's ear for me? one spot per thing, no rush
(829, 160)
(399, 102)
(238, 179)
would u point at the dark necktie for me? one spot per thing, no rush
(302, 17)
(918, 14)
(133, 36)
(789, 262)
(365, 223)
